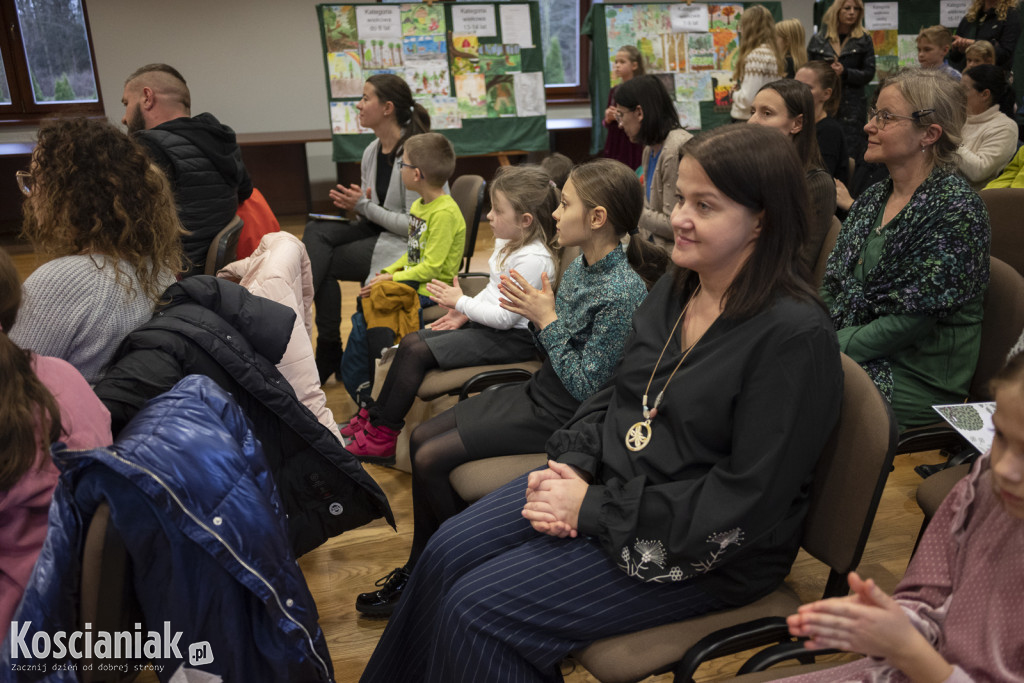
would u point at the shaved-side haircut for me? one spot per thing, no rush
(164, 79)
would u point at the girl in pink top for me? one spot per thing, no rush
(958, 614)
(43, 400)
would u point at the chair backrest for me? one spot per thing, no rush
(850, 476)
(468, 192)
(108, 599)
(826, 248)
(224, 247)
(1001, 325)
(1005, 208)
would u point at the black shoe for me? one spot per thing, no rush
(381, 603)
(328, 359)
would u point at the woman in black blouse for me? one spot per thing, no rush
(680, 487)
(996, 21)
(847, 47)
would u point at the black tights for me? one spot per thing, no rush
(435, 449)
(412, 362)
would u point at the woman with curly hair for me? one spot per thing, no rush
(996, 21)
(98, 208)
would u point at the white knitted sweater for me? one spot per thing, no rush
(759, 69)
(75, 310)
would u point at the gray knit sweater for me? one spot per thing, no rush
(75, 310)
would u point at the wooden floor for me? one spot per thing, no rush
(348, 565)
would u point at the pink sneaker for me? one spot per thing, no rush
(356, 424)
(374, 444)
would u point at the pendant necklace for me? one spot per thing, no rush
(639, 435)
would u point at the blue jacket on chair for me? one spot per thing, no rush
(191, 495)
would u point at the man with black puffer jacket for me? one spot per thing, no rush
(198, 154)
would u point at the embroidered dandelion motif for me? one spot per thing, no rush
(651, 551)
(724, 539)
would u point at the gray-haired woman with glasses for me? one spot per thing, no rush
(905, 282)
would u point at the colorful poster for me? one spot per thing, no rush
(694, 87)
(907, 51)
(531, 100)
(727, 49)
(422, 20)
(381, 53)
(471, 91)
(886, 53)
(723, 85)
(496, 59)
(428, 78)
(475, 19)
(689, 114)
(340, 27)
(345, 74)
(424, 47)
(700, 51)
(345, 119)
(465, 54)
(725, 17)
(675, 51)
(501, 96)
(444, 112)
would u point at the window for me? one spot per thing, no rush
(566, 55)
(46, 60)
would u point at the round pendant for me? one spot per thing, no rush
(638, 436)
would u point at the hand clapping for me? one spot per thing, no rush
(444, 294)
(536, 305)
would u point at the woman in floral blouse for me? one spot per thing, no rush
(905, 282)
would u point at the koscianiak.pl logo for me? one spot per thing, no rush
(30, 648)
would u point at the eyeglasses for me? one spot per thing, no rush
(24, 182)
(883, 117)
(401, 164)
(619, 115)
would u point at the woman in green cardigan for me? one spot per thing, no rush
(905, 282)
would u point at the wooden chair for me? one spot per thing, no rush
(847, 486)
(224, 247)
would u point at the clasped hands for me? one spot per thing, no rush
(553, 500)
(536, 305)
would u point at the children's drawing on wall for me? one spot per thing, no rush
(428, 78)
(444, 112)
(339, 23)
(694, 87)
(345, 119)
(530, 95)
(501, 96)
(464, 51)
(725, 16)
(471, 91)
(422, 19)
(346, 76)
(700, 52)
(380, 36)
(727, 48)
(887, 51)
(723, 86)
(381, 53)
(907, 50)
(689, 114)
(675, 51)
(499, 58)
(424, 48)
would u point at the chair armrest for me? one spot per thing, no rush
(776, 654)
(482, 381)
(931, 437)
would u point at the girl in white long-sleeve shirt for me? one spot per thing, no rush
(989, 136)
(476, 330)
